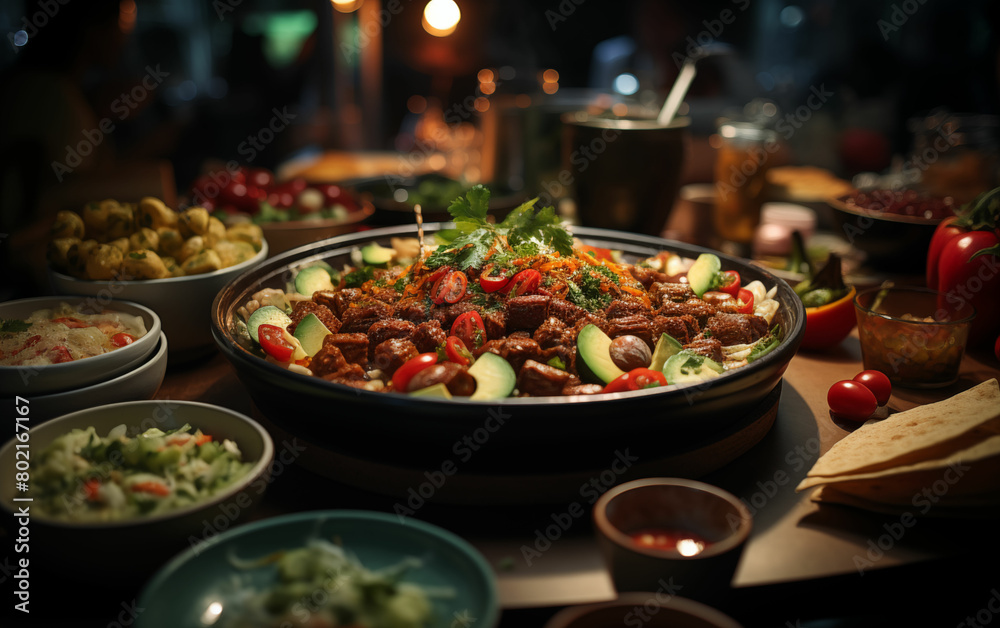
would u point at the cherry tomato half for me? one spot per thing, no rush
(450, 288)
(457, 351)
(850, 400)
(636, 379)
(121, 339)
(490, 282)
(272, 341)
(878, 383)
(524, 282)
(746, 301)
(470, 328)
(401, 378)
(729, 282)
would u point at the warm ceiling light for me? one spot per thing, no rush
(441, 17)
(485, 75)
(347, 6)
(550, 76)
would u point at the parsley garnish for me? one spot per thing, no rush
(13, 326)
(524, 231)
(357, 278)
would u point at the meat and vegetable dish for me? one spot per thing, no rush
(517, 308)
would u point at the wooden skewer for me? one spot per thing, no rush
(420, 227)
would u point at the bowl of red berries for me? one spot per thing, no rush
(892, 227)
(292, 212)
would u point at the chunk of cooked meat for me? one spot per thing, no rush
(708, 347)
(526, 313)
(383, 330)
(354, 346)
(455, 377)
(390, 354)
(736, 329)
(540, 380)
(695, 307)
(361, 316)
(301, 309)
(428, 336)
(682, 328)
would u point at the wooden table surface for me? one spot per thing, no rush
(797, 555)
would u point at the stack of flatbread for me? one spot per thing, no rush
(937, 460)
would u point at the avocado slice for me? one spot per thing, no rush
(310, 332)
(593, 346)
(434, 391)
(665, 347)
(375, 254)
(703, 273)
(312, 279)
(687, 367)
(267, 315)
(495, 377)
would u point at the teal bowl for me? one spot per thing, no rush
(204, 586)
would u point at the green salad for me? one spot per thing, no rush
(323, 585)
(84, 477)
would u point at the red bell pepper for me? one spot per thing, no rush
(963, 263)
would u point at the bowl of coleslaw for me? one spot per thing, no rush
(61, 343)
(118, 475)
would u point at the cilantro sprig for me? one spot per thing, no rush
(471, 241)
(13, 326)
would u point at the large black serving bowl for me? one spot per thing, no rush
(513, 436)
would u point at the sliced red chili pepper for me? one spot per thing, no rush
(272, 341)
(746, 301)
(121, 339)
(151, 487)
(524, 282)
(490, 282)
(470, 328)
(729, 282)
(401, 378)
(72, 323)
(457, 351)
(636, 379)
(60, 354)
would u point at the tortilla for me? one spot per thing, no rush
(974, 469)
(970, 477)
(927, 432)
(957, 508)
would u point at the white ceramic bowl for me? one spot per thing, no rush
(135, 548)
(184, 304)
(136, 384)
(30, 381)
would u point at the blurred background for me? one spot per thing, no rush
(150, 95)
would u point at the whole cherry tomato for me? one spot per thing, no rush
(401, 378)
(470, 328)
(945, 231)
(878, 383)
(272, 341)
(457, 351)
(260, 178)
(524, 282)
(850, 400)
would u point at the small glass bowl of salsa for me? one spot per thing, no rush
(916, 336)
